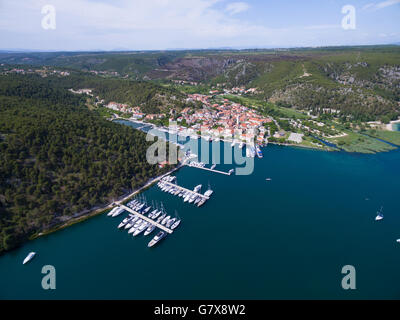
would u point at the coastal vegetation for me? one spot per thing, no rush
(58, 159)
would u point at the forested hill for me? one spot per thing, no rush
(58, 159)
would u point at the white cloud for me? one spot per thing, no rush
(368, 5)
(237, 7)
(155, 24)
(380, 5)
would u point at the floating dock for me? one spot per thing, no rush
(187, 190)
(212, 170)
(147, 219)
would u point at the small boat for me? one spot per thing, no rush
(150, 229)
(233, 144)
(259, 152)
(192, 198)
(112, 212)
(146, 210)
(197, 188)
(155, 216)
(380, 215)
(117, 212)
(161, 217)
(131, 223)
(203, 201)
(164, 221)
(29, 257)
(175, 225)
(151, 215)
(170, 222)
(157, 238)
(268, 179)
(398, 240)
(141, 228)
(241, 145)
(125, 221)
(213, 166)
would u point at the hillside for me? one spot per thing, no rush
(361, 82)
(58, 159)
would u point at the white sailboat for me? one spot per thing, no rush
(380, 215)
(29, 257)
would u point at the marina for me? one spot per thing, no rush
(93, 250)
(143, 217)
(193, 165)
(167, 184)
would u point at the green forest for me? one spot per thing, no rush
(58, 159)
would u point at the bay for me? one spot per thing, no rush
(287, 238)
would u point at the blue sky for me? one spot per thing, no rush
(167, 24)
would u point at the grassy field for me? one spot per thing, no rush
(355, 142)
(390, 136)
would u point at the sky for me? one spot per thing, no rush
(91, 25)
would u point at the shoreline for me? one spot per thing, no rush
(152, 181)
(99, 211)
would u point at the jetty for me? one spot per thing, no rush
(186, 190)
(212, 170)
(147, 219)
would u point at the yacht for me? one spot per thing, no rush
(259, 152)
(192, 198)
(135, 226)
(164, 221)
(170, 222)
(233, 143)
(125, 221)
(380, 215)
(157, 238)
(197, 188)
(202, 201)
(155, 216)
(117, 212)
(29, 257)
(213, 166)
(150, 229)
(241, 145)
(112, 211)
(131, 223)
(146, 210)
(141, 228)
(175, 225)
(208, 193)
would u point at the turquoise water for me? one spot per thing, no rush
(284, 239)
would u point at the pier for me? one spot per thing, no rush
(187, 190)
(212, 170)
(158, 225)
